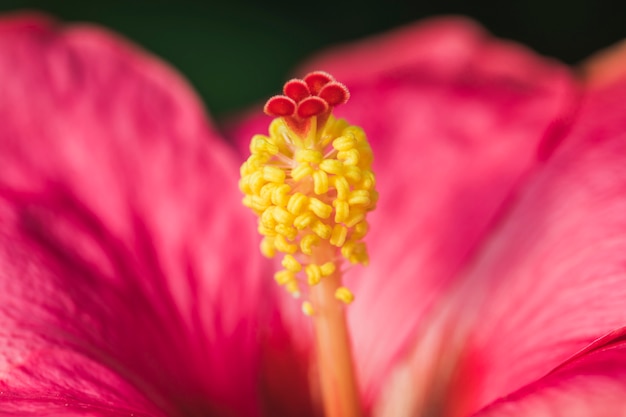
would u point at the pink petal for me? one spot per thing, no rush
(552, 278)
(124, 250)
(591, 385)
(46, 381)
(454, 124)
(455, 119)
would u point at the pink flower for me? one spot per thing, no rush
(131, 281)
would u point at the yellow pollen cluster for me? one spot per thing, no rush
(311, 184)
(311, 192)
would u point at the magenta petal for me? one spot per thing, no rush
(553, 277)
(454, 126)
(123, 245)
(45, 381)
(592, 385)
(455, 119)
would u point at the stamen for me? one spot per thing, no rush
(310, 180)
(311, 183)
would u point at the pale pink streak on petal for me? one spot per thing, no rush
(455, 119)
(58, 382)
(552, 278)
(592, 384)
(431, 379)
(123, 241)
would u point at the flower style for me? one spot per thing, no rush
(130, 277)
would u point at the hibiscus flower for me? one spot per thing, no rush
(131, 282)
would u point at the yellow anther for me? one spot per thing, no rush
(244, 185)
(289, 232)
(347, 250)
(307, 308)
(313, 274)
(308, 155)
(328, 269)
(356, 215)
(266, 231)
(359, 198)
(255, 182)
(364, 147)
(320, 209)
(335, 127)
(244, 170)
(266, 191)
(354, 132)
(342, 186)
(247, 201)
(338, 236)
(277, 138)
(355, 252)
(270, 148)
(257, 161)
(332, 166)
(291, 264)
(267, 247)
(320, 182)
(342, 210)
(345, 295)
(282, 216)
(307, 243)
(368, 181)
(280, 195)
(297, 204)
(276, 127)
(302, 171)
(360, 230)
(283, 277)
(349, 157)
(282, 245)
(344, 143)
(273, 174)
(267, 219)
(353, 173)
(260, 144)
(259, 204)
(304, 220)
(321, 229)
(254, 143)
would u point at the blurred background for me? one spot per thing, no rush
(237, 52)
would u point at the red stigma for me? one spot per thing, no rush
(315, 94)
(296, 89)
(316, 80)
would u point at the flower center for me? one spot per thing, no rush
(311, 184)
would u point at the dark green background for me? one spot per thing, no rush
(236, 52)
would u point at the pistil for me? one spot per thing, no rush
(311, 184)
